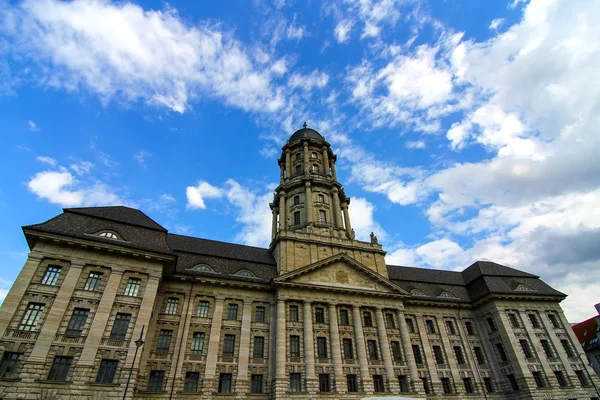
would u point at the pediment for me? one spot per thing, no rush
(340, 272)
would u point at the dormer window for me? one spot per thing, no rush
(523, 287)
(109, 235)
(202, 268)
(447, 295)
(245, 273)
(417, 292)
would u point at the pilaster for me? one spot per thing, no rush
(361, 350)
(408, 353)
(213, 343)
(336, 350)
(244, 355)
(386, 354)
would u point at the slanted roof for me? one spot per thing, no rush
(489, 268)
(127, 215)
(587, 333)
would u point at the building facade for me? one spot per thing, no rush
(588, 335)
(317, 314)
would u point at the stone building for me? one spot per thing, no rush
(317, 314)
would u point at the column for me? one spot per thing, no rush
(434, 381)
(281, 169)
(408, 353)
(535, 343)
(274, 211)
(336, 350)
(326, 161)
(14, 296)
(280, 355)
(384, 343)
(213, 344)
(98, 326)
(270, 348)
(347, 217)
(244, 356)
(451, 359)
(306, 159)
(308, 203)
(55, 315)
(288, 164)
(336, 209)
(361, 350)
(309, 348)
(183, 330)
(333, 169)
(282, 213)
(143, 319)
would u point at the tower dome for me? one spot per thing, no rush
(306, 133)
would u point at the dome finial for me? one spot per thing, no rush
(304, 126)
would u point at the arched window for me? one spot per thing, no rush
(322, 216)
(202, 267)
(320, 198)
(522, 286)
(298, 169)
(245, 273)
(417, 292)
(109, 235)
(447, 295)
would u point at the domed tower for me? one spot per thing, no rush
(310, 208)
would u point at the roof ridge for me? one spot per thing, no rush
(217, 241)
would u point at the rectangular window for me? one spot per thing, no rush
(479, 355)
(491, 324)
(190, 385)
(315, 168)
(259, 315)
(410, 325)
(547, 348)
(425, 383)
(539, 380)
(33, 313)
(501, 352)
(133, 287)
(372, 347)
(228, 345)
(324, 383)
(450, 328)
(403, 383)
(77, 322)
(367, 320)
(534, 320)
(10, 364)
(120, 327)
(525, 347)
(514, 322)
(60, 368)
(352, 383)
(560, 377)
(348, 352)
(172, 305)
(437, 353)
(294, 346)
(429, 326)
(259, 347)
(225, 383)
(294, 313)
(322, 216)
(396, 353)
(460, 359)
(203, 309)
(93, 281)
(417, 352)
(378, 386)
(164, 341)
(568, 349)
(256, 384)
(344, 320)
(51, 275)
(107, 371)
(580, 375)
(320, 198)
(488, 385)
(296, 200)
(297, 219)
(554, 321)
(389, 321)
(319, 315)
(295, 382)
(321, 347)
(468, 385)
(446, 385)
(197, 343)
(469, 327)
(232, 311)
(513, 382)
(155, 381)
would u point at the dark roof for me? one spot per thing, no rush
(127, 215)
(424, 275)
(306, 133)
(587, 333)
(489, 268)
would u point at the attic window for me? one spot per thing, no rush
(245, 273)
(202, 267)
(447, 295)
(109, 235)
(417, 292)
(523, 287)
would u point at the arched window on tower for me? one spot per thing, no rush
(298, 156)
(297, 218)
(313, 154)
(315, 168)
(322, 216)
(298, 169)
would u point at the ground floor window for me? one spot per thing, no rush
(225, 383)
(378, 385)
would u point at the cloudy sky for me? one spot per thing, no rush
(465, 130)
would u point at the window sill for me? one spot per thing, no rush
(10, 379)
(147, 392)
(232, 394)
(53, 382)
(103, 384)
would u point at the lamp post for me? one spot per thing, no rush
(138, 343)
(588, 372)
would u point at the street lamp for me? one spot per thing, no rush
(138, 343)
(588, 372)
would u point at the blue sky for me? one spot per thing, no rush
(465, 130)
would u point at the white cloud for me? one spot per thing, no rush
(269, 152)
(203, 190)
(418, 144)
(495, 24)
(47, 160)
(362, 219)
(295, 32)
(141, 156)
(82, 168)
(315, 79)
(342, 30)
(32, 126)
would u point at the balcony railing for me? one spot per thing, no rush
(121, 298)
(69, 339)
(17, 334)
(114, 342)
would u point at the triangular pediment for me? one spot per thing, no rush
(340, 272)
